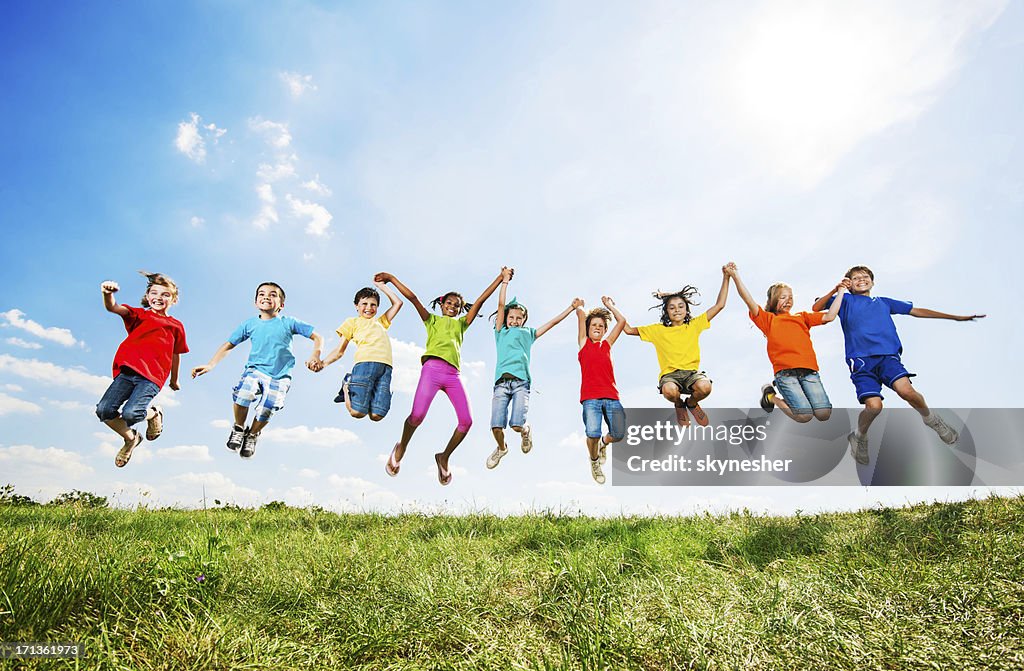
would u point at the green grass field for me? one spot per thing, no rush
(925, 587)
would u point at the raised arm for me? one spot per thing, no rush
(314, 363)
(214, 360)
(175, 364)
(723, 295)
(581, 321)
(499, 318)
(833, 311)
(620, 322)
(741, 289)
(576, 302)
(933, 314)
(479, 302)
(405, 291)
(396, 302)
(109, 289)
(820, 304)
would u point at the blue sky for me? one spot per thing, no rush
(610, 149)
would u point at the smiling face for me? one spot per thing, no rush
(160, 298)
(269, 299)
(515, 318)
(785, 301)
(451, 305)
(861, 282)
(367, 307)
(676, 310)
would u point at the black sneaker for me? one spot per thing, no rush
(767, 392)
(340, 398)
(248, 445)
(236, 438)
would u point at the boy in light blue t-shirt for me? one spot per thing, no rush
(873, 351)
(512, 373)
(267, 374)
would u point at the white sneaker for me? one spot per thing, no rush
(858, 448)
(595, 470)
(527, 435)
(495, 458)
(603, 452)
(947, 433)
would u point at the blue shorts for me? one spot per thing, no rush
(869, 373)
(802, 390)
(614, 416)
(271, 393)
(514, 393)
(369, 388)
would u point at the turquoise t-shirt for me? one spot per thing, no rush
(514, 351)
(444, 338)
(271, 351)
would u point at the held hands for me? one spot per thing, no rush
(506, 274)
(730, 269)
(383, 278)
(843, 284)
(608, 302)
(378, 283)
(109, 287)
(315, 364)
(576, 303)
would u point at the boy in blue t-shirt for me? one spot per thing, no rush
(267, 374)
(873, 350)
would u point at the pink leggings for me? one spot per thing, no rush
(439, 375)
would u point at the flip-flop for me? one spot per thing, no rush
(124, 455)
(682, 418)
(391, 468)
(444, 476)
(155, 426)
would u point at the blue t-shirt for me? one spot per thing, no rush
(867, 324)
(514, 351)
(271, 351)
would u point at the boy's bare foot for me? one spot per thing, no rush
(444, 476)
(124, 455)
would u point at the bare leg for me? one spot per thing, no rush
(872, 407)
(241, 413)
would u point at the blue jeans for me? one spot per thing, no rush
(803, 391)
(510, 392)
(613, 414)
(131, 390)
(370, 387)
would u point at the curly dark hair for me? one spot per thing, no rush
(443, 297)
(686, 293)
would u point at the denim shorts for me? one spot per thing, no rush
(802, 390)
(869, 373)
(611, 411)
(514, 393)
(271, 393)
(370, 387)
(132, 391)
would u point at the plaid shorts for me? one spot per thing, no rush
(256, 384)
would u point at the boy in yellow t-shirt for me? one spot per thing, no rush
(676, 342)
(367, 389)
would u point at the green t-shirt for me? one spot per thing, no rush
(444, 338)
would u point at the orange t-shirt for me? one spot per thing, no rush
(789, 338)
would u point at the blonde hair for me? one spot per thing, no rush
(773, 296)
(598, 313)
(160, 279)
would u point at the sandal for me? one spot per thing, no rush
(391, 468)
(444, 476)
(155, 424)
(682, 418)
(698, 413)
(124, 455)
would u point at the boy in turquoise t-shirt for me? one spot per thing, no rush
(512, 373)
(267, 374)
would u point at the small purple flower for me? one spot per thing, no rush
(201, 578)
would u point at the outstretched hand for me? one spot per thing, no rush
(608, 302)
(576, 303)
(969, 318)
(201, 370)
(109, 287)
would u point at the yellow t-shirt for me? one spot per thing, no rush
(370, 337)
(676, 346)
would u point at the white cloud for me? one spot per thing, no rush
(319, 218)
(316, 436)
(48, 373)
(196, 221)
(192, 136)
(574, 439)
(358, 494)
(316, 186)
(70, 405)
(10, 405)
(309, 473)
(17, 458)
(216, 486)
(18, 342)
(185, 453)
(268, 213)
(276, 134)
(12, 387)
(298, 83)
(406, 373)
(166, 398)
(221, 424)
(283, 169)
(306, 256)
(52, 333)
(109, 449)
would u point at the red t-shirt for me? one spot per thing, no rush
(152, 342)
(598, 377)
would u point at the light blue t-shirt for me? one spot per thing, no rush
(271, 351)
(867, 324)
(514, 351)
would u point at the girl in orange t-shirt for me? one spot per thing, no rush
(800, 394)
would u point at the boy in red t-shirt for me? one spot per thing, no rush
(143, 362)
(598, 394)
